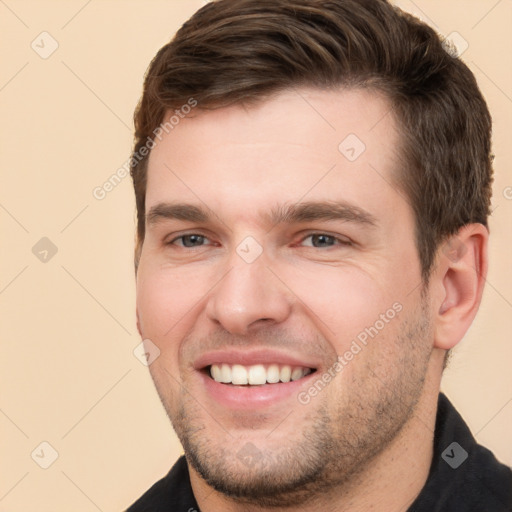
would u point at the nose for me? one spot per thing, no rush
(250, 294)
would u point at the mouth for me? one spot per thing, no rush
(257, 374)
(255, 379)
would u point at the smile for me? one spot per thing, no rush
(258, 374)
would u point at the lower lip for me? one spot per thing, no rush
(250, 397)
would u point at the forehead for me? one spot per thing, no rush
(314, 144)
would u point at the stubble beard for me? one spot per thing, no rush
(330, 450)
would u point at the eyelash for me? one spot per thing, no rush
(342, 242)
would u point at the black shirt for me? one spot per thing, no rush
(464, 476)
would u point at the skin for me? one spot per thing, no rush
(364, 442)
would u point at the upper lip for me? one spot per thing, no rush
(252, 357)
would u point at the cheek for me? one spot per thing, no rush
(164, 301)
(342, 301)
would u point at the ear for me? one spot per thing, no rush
(458, 282)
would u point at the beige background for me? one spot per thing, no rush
(68, 375)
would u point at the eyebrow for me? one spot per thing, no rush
(282, 214)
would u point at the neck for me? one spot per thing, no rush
(391, 481)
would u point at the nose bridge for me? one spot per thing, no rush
(249, 292)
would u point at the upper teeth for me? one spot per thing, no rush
(257, 374)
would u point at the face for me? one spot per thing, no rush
(280, 281)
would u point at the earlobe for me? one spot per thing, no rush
(460, 273)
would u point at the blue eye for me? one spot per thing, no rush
(321, 240)
(317, 241)
(193, 240)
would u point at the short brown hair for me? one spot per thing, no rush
(243, 51)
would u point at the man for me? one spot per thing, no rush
(313, 183)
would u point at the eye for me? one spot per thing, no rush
(189, 241)
(317, 240)
(322, 240)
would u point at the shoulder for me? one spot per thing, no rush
(464, 475)
(173, 492)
